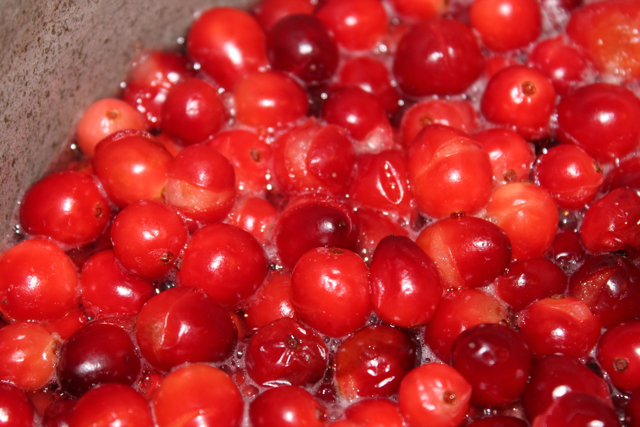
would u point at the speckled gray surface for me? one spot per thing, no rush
(57, 57)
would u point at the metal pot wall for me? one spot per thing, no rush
(58, 56)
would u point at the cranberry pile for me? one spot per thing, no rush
(356, 213)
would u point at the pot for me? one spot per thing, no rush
(59, 56)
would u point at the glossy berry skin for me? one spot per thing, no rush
(131, 166)
(112, 404)
(148, 238)
(448, 172)
(559, 325)
(374, 226)
(269, 99)
(212, 38)
(268, 12)
(520, 97)
(557, 375)
(254, 215)
(272, 301)
(565, 65)
(529, 216)
(511, 155)
(610, 284)
(200, 184)
(600, 112)
(458, 311)
(311, 221)
(97, 353)
(414, 11)
(301, 45)
(286, 353)
(225, 261)
(38, 282)
(67, 207)
(375, 412)
(27, 355)
(355, 25)
(197, 394)
(193, 111)
(495, 360)
(616, 22)
(313, 158)
(405, 286)
(527, 281)
(108, 290)
(571, 175)
(380, 182)
(506, 24)
(457, 114)
(104, 117)
(612, 223)
(459, 59)
(15, 405)
(183, 325)
(577, 410)
(330, 291)
(362, 115)
(434, 395)
(468, 252)
(617, 354)
(286, 406)
(627, 174)
(373, 361)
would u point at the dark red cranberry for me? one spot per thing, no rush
(286, 353)
(301, 45)
(498, 421)
(373, 361)
(98, 353)
(495, 360)
(445, 50)
(577, 410)
(567, 250)
(58, 414)
(405, 285)
(610, 285)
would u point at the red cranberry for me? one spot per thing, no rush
(58, 414)
(268, 12)
(285, 353)
(443, 49)
(286, 406)
(374, 412)
(415, 11)
(405, 286)
(98, 353)
(106, 402)
(330, 291)
(511, 156)
(356, 25)
(506, 24)
(374, 226)
(495, 360)
(565, 65)
(577, 409)
(626, 174)
(610, 285)
(373, 361)
(601, 119)
(17, 409)
(271, 302)
(618, 353)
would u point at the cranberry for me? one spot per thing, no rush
(300, 44)
(511, 156)
(271, 301)
(521, 97)
(17, 409)
(506, 24)
(254, 215)
(58, 414)
(434, 394)
(268, 12)
(27, 355)
(495, 360)
(269, 99)
(610, 285)
(330, 291)
(286, 406)
(225, 53)
(375, 412)
(405, 285)
(97, 353)
(107, 402)
(616, 22)
(38, 282)
(468, 252)
(197, 394)
(443, 49)
(600, 112)
(571, 175)
(617, 353)
(356, 25)
(612, 223)
(183, 325)
(374, 226)
(559, 325)
(577, 409)
(285, 353)
(225, 261)
(67, 207)
(627, 174)
(373, 361)
(565, 65)
(414, 11)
